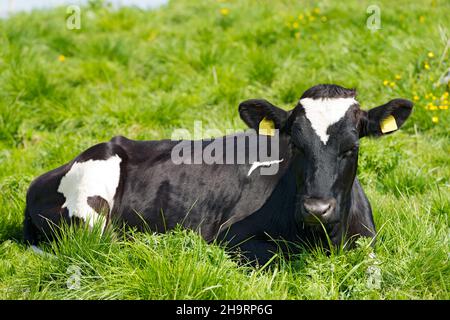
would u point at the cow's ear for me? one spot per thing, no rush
(384, 119)
(258, 113)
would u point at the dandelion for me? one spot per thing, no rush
(152, 36)
(443, 107)
(297, 35)
(224, 11)
(316, 10)
(426, 66)
(300, 16)
(430, 54)
(416, 98)
(61, 58)
(295, 25)
(398, 77)
(386, 82)
(392, 84)
(311, 18)
(421, 19)
(435, 119)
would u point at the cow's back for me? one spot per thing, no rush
(159, 194)
(138, 184)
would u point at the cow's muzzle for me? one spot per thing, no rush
(318, 211)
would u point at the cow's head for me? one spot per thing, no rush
(324, 130)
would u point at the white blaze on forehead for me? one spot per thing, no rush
(322, 113)
(88, 179)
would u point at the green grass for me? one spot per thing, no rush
(142, 74)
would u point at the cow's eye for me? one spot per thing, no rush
(350, 152)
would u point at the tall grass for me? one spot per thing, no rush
(141, 74)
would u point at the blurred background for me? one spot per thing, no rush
(8, 7)
(71, 77)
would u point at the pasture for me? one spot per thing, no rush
(143, 74)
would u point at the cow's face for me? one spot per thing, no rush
(324, 130)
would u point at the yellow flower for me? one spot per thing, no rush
(152, 36)
(416, 98)
(224, 11)
(316, 10)
(433, 107)
(426, 66)
(295, 25)
(324, 19)
(61, 58)
(300, 16)
(297, 35)
(430, 54)
(311, 18)
(386, 82)
(398, 77)
(443, 107)
(421, 19)
(435, 119)
(392, 84)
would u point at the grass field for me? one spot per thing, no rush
(143, 74)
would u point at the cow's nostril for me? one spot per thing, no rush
(317, 207)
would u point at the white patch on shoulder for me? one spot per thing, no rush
(87, 179)
(257, 164)
(322, 113)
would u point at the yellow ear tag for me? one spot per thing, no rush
(266, 127)
(388, 124)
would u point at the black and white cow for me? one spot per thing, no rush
(314, 190)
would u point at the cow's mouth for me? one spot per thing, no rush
(312, 220)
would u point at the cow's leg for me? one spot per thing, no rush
(360, 219)
(257, 252)
(83, 191)
(360, 225)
